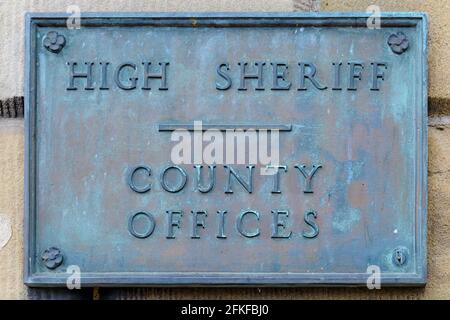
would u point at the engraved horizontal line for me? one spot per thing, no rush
(224, 127)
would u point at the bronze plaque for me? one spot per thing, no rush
(226, 149)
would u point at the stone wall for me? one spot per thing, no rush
(12, 148)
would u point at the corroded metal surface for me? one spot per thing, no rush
(350, 103)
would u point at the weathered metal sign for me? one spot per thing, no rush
(194, 149)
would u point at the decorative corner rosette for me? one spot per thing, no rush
(398, 42)
(52, 258)
(54, 42)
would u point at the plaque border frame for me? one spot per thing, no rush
(416, 20)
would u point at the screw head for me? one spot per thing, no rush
(52, 258)
(400, 256)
